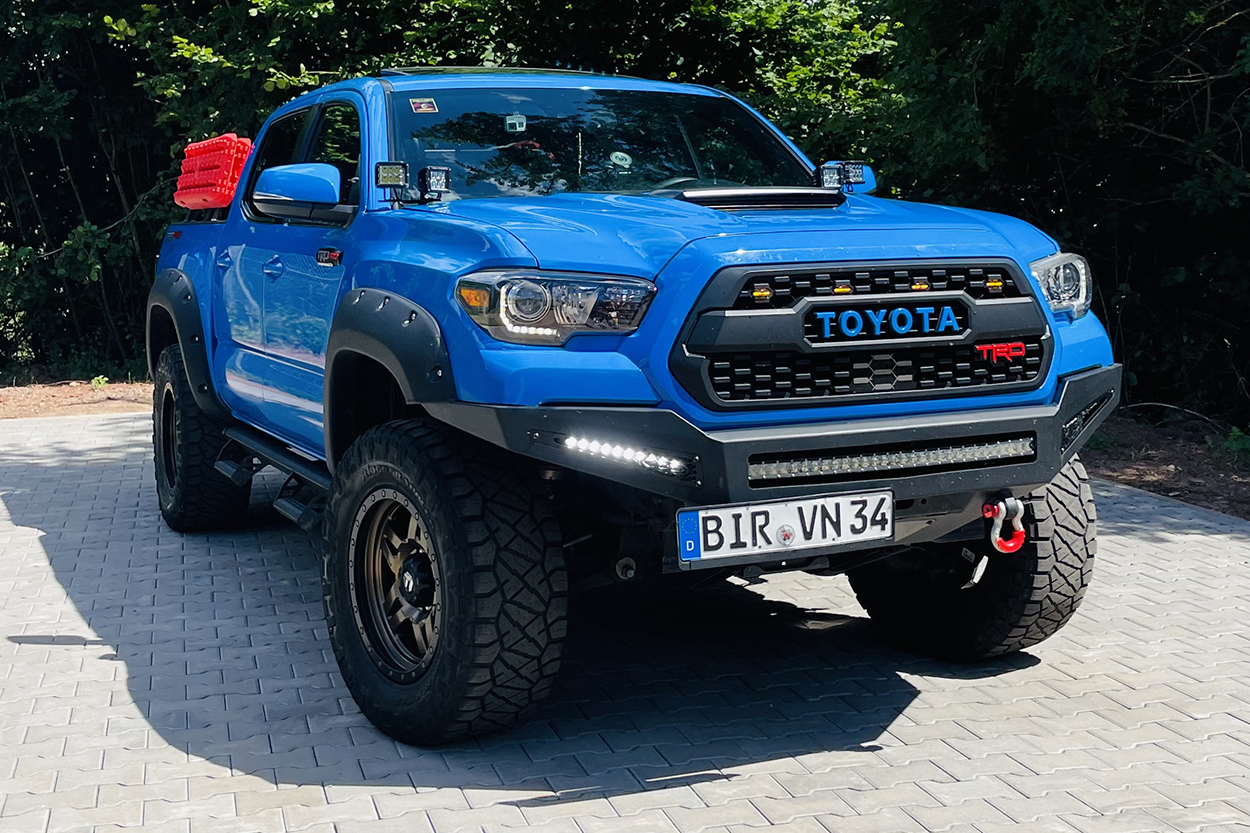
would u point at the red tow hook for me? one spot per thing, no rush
(1008, 509)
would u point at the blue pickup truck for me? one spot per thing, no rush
(512, 332)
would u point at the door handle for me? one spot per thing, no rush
(274, 268)
(224, 261)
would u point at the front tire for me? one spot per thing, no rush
(193, 495)
(935, 604)
(443, 581)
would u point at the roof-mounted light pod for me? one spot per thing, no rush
(432, 182)
(391, 174)
(850, 177)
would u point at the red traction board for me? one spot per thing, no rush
(210, 171)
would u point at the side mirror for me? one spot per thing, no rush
(851, 177)
(307, 191)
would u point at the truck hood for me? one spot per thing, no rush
(638, 235)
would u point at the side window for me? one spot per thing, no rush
(281, 144)
(337, 143)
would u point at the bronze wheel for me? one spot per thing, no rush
(396, 587)
(443, 580)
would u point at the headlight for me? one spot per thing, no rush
(1065, 280)
(533, 307)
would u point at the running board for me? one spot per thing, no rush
(307, 515)
(274, 453)
(239, 472)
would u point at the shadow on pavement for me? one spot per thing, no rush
(225, 656)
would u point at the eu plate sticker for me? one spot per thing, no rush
(688, 536)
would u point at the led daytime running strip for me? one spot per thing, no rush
(892, 460)
(654, 461)
(524, 329)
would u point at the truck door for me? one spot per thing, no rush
(303, 276)
(247, 242)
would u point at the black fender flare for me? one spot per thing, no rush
(174, 293)
(398, 334)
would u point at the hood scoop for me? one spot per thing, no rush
(757, 199)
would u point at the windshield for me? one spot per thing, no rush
(529, 142)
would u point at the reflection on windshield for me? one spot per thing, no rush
(526, 142)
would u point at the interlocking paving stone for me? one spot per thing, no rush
(184, 683)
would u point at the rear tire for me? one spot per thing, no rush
(443, 581)
(193, 495)
(1022, 598)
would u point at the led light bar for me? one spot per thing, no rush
(652, 460)
(919, 458)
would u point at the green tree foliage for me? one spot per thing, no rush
(1115, 125)
(1119, 127)
(97, 100)
(80, 186)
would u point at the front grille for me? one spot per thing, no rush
(816, 334)
(738, 377)
(781, 290)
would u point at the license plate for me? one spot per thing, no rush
(784, 526)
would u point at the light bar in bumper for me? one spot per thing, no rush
(715, 463)
(825, 467)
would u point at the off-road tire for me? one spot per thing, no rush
(1021, 599)
(193, 495)
(501, 570)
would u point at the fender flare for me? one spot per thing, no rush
(174, 293)
(398, 334)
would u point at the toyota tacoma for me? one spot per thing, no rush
(511, 332)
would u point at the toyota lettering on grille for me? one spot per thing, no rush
(886, 322)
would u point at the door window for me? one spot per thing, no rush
(281, 145)
(337, 143)
(282, 141)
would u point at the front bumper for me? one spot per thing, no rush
(930, 502)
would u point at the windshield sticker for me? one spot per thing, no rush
(514, 123)
(620, 157)
(423, 105)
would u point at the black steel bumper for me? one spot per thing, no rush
(1058, 430)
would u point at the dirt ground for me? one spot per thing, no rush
(74, 398)
(1177, 460)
